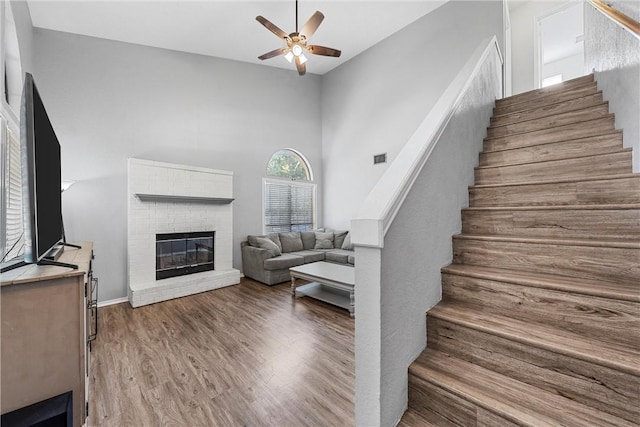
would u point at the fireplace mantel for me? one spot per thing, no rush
(183, 199)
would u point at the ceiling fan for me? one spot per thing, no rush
(296, 43)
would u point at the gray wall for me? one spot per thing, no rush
(418, 243)
(109, 101)
(373, 103)
(22, 18)
(614, 54)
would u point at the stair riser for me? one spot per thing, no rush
(599, 318)
(573, 223)
(561, 119)
(600, 387)
(577, 92)
(606, 191)
(600, 263)
(582, 167)
(449, 408)
(548, 110)
(544, 136)
(546, 92)
(554, 151)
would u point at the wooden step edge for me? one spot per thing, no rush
(560, 181)
(413, 418)
(613, 133)
(559, 88)
(597, 242)
(542, 162)
(589, 88)
(516, 401)
(610, 117)
(555, 340)
(588, 287)
(611, 207)
(590, 107)
(580, 96)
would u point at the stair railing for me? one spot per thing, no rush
(394, 285)
(617, 16)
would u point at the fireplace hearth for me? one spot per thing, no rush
(179, 254)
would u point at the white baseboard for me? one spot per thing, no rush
(113, 301)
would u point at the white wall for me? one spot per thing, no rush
(22, 19)
(614, 53)
(523, 41)
(109, 101)
(570, 67)
(373, 103)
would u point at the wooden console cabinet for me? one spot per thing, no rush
(45, 332)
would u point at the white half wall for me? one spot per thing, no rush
(614, 54)
(374, 103)
(109, 101)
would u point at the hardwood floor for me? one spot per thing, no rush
(245, 355)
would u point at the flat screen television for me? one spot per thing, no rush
(41, 176)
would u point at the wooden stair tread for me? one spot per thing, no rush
(412, 418)
(561, 181)
(612, 133)
(614, 356)
(559, 119)
(597, 288)
(549, 109)
(599, 242)
(556, 161)
(555, 127)
(620, 206)
(561, 87)
(585, 89)
(513, 400)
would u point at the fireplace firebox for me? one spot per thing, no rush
(178, 254)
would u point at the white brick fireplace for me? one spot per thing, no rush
(170, 198)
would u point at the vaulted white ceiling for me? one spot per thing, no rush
(228, 29)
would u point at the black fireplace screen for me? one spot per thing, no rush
(178, 254)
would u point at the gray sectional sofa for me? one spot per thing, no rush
(268, 258)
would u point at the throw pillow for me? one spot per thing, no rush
(252, 240)
(324, 240)
(338, 237)
(269, 245)
(276, 239)
(347, 245)
(308, 239)
(291, 242)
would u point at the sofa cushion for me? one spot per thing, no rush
(291, 242)
(346, 244)
(338, 255)
(271, 236)
(308, 239)
(351, 259)
(338, 238)
(269, 245)
(283, 261)
(310, 256)
(324, 240)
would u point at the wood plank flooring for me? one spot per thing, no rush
(245, 355)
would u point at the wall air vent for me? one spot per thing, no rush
(379, 158)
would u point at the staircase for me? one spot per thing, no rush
(539, 323)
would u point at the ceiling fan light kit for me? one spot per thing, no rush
(296, 42)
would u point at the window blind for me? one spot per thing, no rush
(288, 206)
(12, 197)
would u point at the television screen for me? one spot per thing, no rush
(41, 176)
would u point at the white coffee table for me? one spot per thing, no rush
(331, 283)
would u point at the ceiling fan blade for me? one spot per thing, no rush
(302, 68)
(273, 53)
(312, 24)
(324, 51)
(272, 27)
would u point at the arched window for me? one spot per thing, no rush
(289, 198)
(290, 164)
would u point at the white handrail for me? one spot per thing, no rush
(383, 202)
